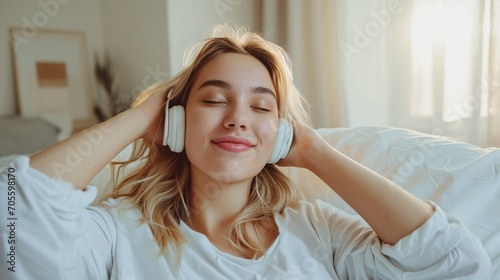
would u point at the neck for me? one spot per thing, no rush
(215, 204)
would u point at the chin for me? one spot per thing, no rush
(232, 171)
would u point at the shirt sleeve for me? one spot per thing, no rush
(442, 248)
(48, 232)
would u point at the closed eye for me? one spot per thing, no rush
(261, 109)
(213, 102)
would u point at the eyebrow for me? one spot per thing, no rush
(226, 85)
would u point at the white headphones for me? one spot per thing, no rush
(174, 132)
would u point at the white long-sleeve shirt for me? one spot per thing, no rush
(59, 236)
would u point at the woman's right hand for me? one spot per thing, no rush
(79, 158)
(151, 109)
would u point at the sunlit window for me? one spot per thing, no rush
(443, 47)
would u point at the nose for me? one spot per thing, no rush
(236, 119)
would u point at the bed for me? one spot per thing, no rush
(462, 178)
(22, 136)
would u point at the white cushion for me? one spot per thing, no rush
(461, 178)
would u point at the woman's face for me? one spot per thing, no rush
(231, 119)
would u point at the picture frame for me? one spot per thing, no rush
(52, 75)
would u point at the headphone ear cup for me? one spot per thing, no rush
(283, 141)
(176, 128)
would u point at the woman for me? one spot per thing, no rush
(215, 208)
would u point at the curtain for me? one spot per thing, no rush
(428, 65)
(493, 128)
(445, 69)
(307, 30)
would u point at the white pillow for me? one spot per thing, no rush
(461, 178)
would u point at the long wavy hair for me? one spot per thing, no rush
(159, 187)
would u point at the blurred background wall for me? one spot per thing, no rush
(428, 65)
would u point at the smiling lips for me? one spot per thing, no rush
(233, 144)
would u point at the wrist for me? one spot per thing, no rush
(133, 122)
(314, 153)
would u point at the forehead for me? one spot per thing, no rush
(239, 70)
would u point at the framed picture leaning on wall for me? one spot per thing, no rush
(52, 76)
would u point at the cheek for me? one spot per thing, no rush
(195, 129)
(199, 122)
(266, 131)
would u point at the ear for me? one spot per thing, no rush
(174, 129)
(283, 141)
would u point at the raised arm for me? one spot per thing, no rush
(79, 158)
(390, 211)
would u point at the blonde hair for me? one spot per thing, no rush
(160, 187)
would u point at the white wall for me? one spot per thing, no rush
(135, 35)
(146, 40)
(190, 20)
(54, 14)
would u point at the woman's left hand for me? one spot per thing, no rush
(391, 211)
(304, 138)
